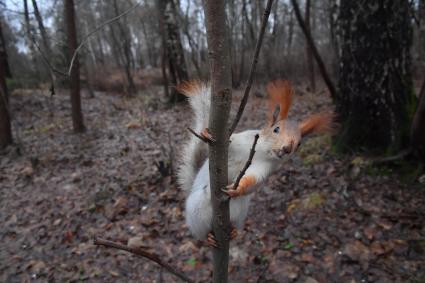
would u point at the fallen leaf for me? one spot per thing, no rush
(133, 124)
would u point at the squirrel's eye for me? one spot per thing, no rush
(276, 130)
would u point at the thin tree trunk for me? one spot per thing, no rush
(77, 115)
(5, 125)
(249, 24)
(164, 72)
(175, 55)
(309, 53)
(322, 67)
(333, 12)
(149, 42)
(221, 89)
(164, 55)
(128, 58)
(417, 135)
(290, 34)
(42, 28)
(30, 40)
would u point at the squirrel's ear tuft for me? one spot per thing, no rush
(318, 123)
(189, 88)
(280, 93)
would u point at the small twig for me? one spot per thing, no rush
(151, 256)
(199, 136)
(248, 162)
(253, 67)
(399, 156)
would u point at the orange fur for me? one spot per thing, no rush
(318, 123)
(245, 183)
(280, 92)
(188, 88)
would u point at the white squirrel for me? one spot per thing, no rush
(277, 142)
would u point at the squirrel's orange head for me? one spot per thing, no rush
(283, 136)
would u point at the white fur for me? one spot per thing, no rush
(198, 203)
(199, 101)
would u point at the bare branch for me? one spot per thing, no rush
(83, 42)
(388, 159)
(248, 162)
(201, 137)
(139, 252)
(253, 67)
(313, 48)
(87, 36)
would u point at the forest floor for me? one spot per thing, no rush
(320, 218)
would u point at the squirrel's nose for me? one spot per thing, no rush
(288, 148)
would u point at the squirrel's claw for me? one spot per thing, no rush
(234, 233)
(232, 192)
(211, 240)
(207, 136)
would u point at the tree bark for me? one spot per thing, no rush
(376, 100)
(418, 127)
(30, 39)
(42, 28)
(5, 125)
(309, 53)
(421, 33)
(290, 34)
(77, 115)
(221, 82)
(175, 52)
(128, 59)
(310, 41)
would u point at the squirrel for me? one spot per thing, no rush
(277, 141)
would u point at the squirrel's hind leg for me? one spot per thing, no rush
(212, 241)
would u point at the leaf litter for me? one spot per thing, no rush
(321, 218)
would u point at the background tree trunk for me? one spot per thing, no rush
(5, 126)
(418, 127)
(41, 28)
(376, 96)
(30, 39)
(124, 44)
(309, 53)
(77, 115)
(221, 98)
(175, 54)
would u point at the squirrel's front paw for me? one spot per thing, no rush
(242, 189)
(231, 192)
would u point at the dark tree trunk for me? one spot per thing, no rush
(42, 28)
(164, 72)
(164, 55)
(30, 40)
(290, 33)
(314, 50)
(376, 97)
(421, 35)
(173, 44)
(309, 53)
(221, 89)
(77, 115)
(5, 126)
(418, 127)
(333, 14)
(128, 59)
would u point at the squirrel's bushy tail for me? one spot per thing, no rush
(194, 151)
